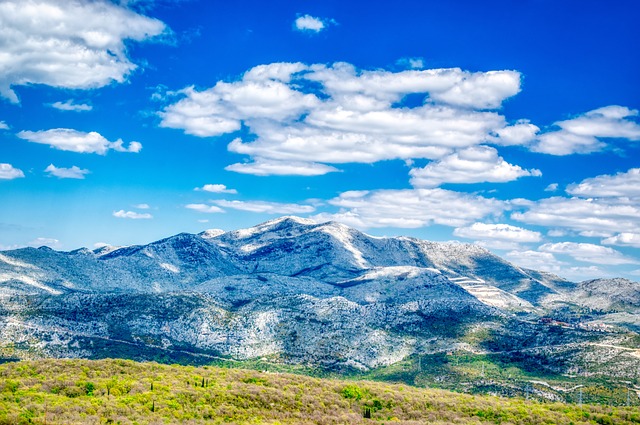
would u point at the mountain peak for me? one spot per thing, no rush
(211, 233)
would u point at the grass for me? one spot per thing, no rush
(128, 392)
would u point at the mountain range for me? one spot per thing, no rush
(319, 294)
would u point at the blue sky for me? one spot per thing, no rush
(510, 124)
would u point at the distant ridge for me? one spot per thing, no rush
(306, 293)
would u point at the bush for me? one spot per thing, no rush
(353, 392)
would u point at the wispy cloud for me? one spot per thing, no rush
(262, 167)
(216, 188)
(204, 208)
(77, 141)
(265, 207)
(497, 232)
(132, 215)
(70, 105)
(308, 23)
(587, 252)
(9, 172)
(49, 242)
(66, 173)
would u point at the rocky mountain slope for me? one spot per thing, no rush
(299, 292)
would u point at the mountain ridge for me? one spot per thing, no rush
(299, 292)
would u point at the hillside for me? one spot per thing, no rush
(314, 295)
(117, 391)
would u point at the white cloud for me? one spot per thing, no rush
(410, 208)
(216, 188)
(583, 134)
(265, 207)
(142, 206)
(49, 242)
(204, 208)
(281, 168)
(500, 232)
(132, 215)
(624, 239)
(587, 252)
(77, 141)
(4, 125)
(310, 23)
(546, 261)
(520, 133)
(263, 93)
(471, 165)
(8, 172)
(453, 86)
(551, 187)
(66, 173)
(338, 114)
(67, 44)
(70, 105)
(622, 184)
(535, 260)
(556, 233)
(606, 216)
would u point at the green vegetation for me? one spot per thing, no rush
(126, 392)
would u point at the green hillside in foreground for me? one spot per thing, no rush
(127, 392)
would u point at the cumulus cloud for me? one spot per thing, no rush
(4, 125)
(500, 232)
(587, 252)
(66, 173)
(551, 187)
(410, 208)
(70, 105)
(68, 44)
(9, 172)
(204, 208)
(77, 141)
(142, 206)
(265, 207)
(624, 239)
(520, 133)
(606, 216)
(584, 133)
(625, 184)
(216, 188)
(471, 165)
(132, 215)
(601, 206)
(338, 114)
(308, 23)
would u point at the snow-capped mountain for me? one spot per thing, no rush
(289, 288)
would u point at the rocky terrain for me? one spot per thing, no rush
(296, 292)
